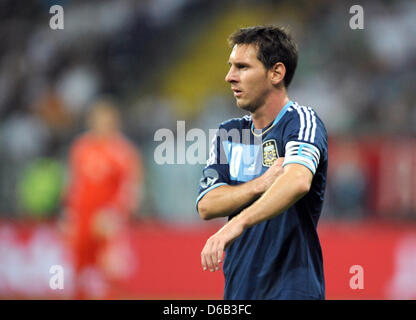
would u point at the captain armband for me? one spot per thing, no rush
(302, 153)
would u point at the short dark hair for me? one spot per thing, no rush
(275, 44)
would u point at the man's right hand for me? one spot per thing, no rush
(270, 176)
(226, 200)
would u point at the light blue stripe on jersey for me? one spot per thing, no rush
(281, 113)
(244, 160)
(209, 189)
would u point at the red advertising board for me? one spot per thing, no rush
(386, 254)
(362, 260)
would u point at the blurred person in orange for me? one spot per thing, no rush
(105, 178)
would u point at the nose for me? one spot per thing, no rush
(231, 76)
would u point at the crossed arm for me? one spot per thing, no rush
(226, 200)
(282, 189)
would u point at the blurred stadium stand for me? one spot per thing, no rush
(166, 60)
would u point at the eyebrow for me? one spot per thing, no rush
(239, 64)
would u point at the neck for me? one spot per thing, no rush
(266, 114)
(103, 134)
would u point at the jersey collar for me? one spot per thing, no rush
(279, 116)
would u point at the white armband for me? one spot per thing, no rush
(302, 153)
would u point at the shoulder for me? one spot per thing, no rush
(81, 140)
(125, 145)
(304, 112)
(305, 119)
(124, 141)
(236, 123)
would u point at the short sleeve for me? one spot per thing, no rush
(216, 172)
(305, 139)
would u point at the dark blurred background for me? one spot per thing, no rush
(163, 61)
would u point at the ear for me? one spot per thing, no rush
(278, 72)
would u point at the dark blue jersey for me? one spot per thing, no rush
(280, 258)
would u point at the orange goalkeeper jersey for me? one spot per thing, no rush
(104, 175)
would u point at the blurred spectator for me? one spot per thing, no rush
(77, 87)
(105, 174)
(51, 109)
(24, 137)
(39, 188)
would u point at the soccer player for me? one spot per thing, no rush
(271, 190)
(105, 174)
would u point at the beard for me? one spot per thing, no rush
(251, 106)
(248, 107)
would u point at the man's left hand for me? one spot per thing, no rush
(213, 251)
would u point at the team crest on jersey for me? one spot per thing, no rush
(270, 153)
